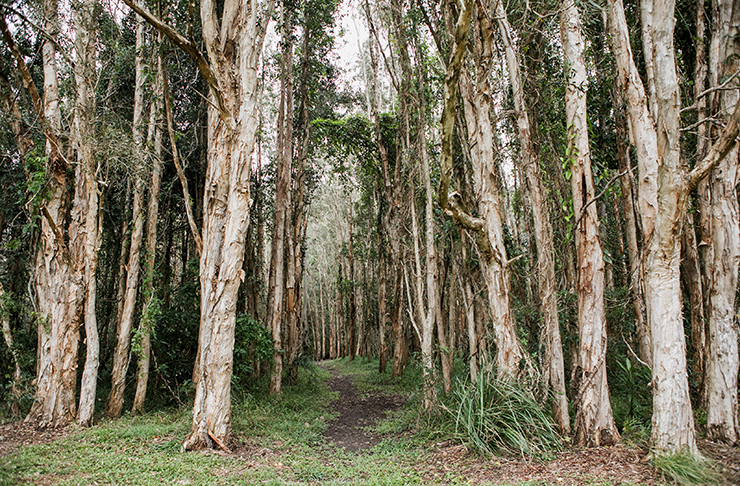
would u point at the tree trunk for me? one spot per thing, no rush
(122, 355)
(59, 288)
(150, 301)
(494, 262)
(631, 235)
(662, 193)
(594, 421)
(276, 285)
(722, 365)
(85, 238)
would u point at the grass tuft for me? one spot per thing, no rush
(496, 416)
(686, 469)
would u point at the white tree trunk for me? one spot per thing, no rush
(594, 424)
(722, 363)
(87, 194)
(662, 199)
(146, 323)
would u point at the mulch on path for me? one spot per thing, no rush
(20, 434)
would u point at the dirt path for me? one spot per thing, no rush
(358, 413)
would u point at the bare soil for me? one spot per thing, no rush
(352, 430)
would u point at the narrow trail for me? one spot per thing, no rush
(358, 413)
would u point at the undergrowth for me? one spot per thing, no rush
(500, 416)
(686, 469)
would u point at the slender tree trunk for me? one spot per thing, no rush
(276, 285)
(631, 235)
(122, 355)
(8, 337)
(382, 307)
(150, 302)
(594, 421)
(722, 364)
(86, 239)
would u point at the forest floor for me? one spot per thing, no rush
(342, 423)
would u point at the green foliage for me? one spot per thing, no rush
(176, 340)
(494, 415)
(252, 343)
(686, 469)
(631, 398)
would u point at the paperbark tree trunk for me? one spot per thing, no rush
(122, 354)
(87, 242)
(631, 235)
(722, 363)
(494, 263)
(276, 285)
(664, 188)
(594, 424)
(59, 287)
(233, 39)
(390, 191)
(543, 232)
(149, 299)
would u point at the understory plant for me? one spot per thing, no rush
(503, 416)
(686, 469)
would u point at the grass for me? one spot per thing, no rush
(277, 442)
(686, 469)
(499, 416)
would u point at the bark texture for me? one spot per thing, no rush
(594, 424)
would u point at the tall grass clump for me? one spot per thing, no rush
(686, 469)
(497, 416)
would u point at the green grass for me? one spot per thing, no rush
(686, 469)
(277, 442)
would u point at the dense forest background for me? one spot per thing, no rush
(200, 197)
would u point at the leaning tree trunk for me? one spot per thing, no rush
(543, 232)
(594, 424)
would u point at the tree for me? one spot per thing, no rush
(722, 362)
(664, 187)
(122, 355)
(594, 421)
(65, 267)
(233, 38)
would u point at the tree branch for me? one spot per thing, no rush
(57, 162)
(178, 167)
(41, 30)
(190, 48)
(720, 149)
(721, 87)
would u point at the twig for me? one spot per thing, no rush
(700, 122)
(597, 197)
(721, 87)
(217, 441)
